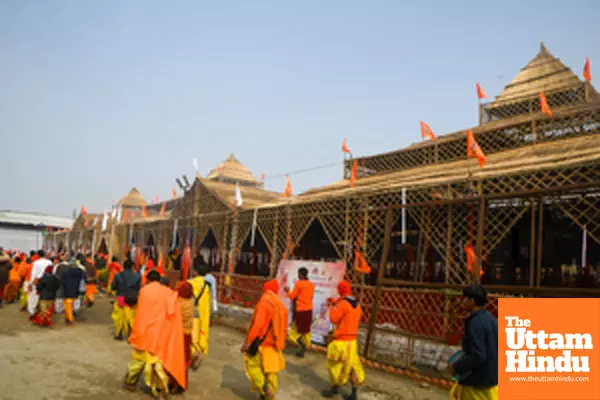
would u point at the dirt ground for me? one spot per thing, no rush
(84, 362)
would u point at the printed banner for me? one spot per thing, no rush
(548, 349)
(325, 276)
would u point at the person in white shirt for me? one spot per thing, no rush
(37, 271)
(212, 281)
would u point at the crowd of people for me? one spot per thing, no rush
(168, 324)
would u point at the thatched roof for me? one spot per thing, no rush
(251, 196)
(544, 73)
(233, 170)
(133, 199)
(523, 160)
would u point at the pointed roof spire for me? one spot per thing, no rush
(132, 199)
(543, 73)
(232, 170)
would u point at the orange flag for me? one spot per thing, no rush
(174, 193)
(587, 72)
(426, 131)
(288, 187)
(360, 264)
(345, 148)
(156, 199)
(544, 105)
(353, 173)
(480, 93)
(126, 216)
(144, 211)
(86, 223)
(473, 149)
(83, 210)
(162, 209)
(471, 258)
(262, 177)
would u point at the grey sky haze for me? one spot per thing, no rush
(100, 96)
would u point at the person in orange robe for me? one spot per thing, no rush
(265, 342)
(113, 269)
(14, 281)
(157, 339)
(343, 361)
(149, 267)
(302, 300)
(25, 272)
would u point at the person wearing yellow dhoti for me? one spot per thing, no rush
(126, 285)
(477, 369)
(302, 300)
(265, 342)
(343, 361)
(202, 307)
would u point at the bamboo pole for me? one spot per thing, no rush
(480, 229)
(540, 243)
(532, 246)
(346, 231)
(272, 266)
(379, 284)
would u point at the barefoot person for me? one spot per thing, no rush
(302, 298)
(343, 362)
(265, 342)
(157, 340)
(201, 315)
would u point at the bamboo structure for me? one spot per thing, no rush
(541, 173)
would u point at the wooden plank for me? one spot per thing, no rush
(380, 277)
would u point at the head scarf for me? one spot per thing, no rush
(272, 286)
(185, 290)
(344, 288)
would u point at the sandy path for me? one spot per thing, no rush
(83, 362)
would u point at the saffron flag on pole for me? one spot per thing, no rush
(262, 177)
(544, 105)
(426, 132)
(163, 209)
(174, 193)
(473, 149)
(288, 187)
(480, 93)
(353, 173)
(144, 211)
(156, 200)
(345, 148)
(83, 210)
(587, 71)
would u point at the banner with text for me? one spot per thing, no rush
(325, 276)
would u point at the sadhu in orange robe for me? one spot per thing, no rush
(157, 340)
(113, 269)
(14, 281)
(268, 329)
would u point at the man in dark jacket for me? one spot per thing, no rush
(71, 284)
(478, 368)
(47, 287)
(127, 285)
(5, 267)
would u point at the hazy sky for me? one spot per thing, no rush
(100, 96)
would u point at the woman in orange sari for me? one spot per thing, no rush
(14, 281)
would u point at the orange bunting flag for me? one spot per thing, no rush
(480, 93)
(360, 264)
(144, 211)
(163, 209)
(471, 259)
(345, 148)
(587, 71)
(353, 173)
(544, 105)
(83, 210)
(262, 177)
(288, 187)
(473, 149)
(174, 193)
(426, 132)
